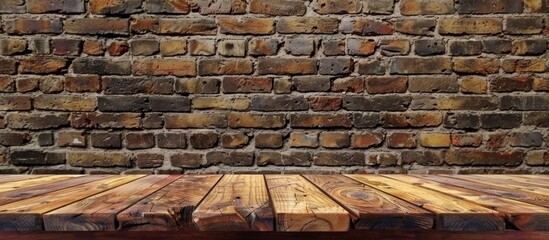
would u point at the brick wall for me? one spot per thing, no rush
(162, 86)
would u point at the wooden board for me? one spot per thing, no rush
(26, 215)
(98, 212)
(300, 206)
(14, 178)
(504, 183)
(523, 216)
(371, 208)
(170, 208)
(538, 182)
(28, 192)
(453, 214)
(236, 203)
(10, 186)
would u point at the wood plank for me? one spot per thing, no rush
(510, 193)
(26, 215)
(10, 186)
(14, 178)
(236, 203)
(539, 182)
(453, 214)
(503, 183)
(98, 212)
(170, 208)
(28, 192)
(300, 206)
(522, 216)
(371, 208)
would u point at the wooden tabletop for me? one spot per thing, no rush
(284, 203)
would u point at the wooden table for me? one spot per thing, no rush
(281, 203)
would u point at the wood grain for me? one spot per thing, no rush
(453, 214)
(26, 215)
(300, 206)
(14, 178)
(504, 183)
(10, 186)
(98, 212)
(538, 182)
(523, 216)
(236, 203)
(170, 208)
(371, 208)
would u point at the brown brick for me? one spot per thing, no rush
(7, 84)
(173, 47)
(473, 84)
(71, 139)
(82, 83)
(454, 103)
(361, 47)
(135, 85)
(25, 85)
(334, 140)
(106, 140)
(307, 25)
(247, 85)
(317, 120)
(8, 66)
(171, 140)
(526, 139)
(278, 7)
(412, 65)
(349, 84)
(524, 25)
(282, 85)
(139, 140)
(14, 138)
(251, 120)
(195, 120)
(262, 47)
(35, 157)
(286, 66)
(394, 47)
(288, 158)
(101, 66)
(203, 139)
(279, 103)
(419, 26)
(346, 158)
(236, 158)
(93, 47)
(34, 26)
(311, 83)
(537, 158)
(500, 120)
(382, 159)
(482, 66)
(538, 84)
(221, 7)
(12, 46)
(255, 26)
(144, 24)
(511, 84)
(221, 103)
(401, 140)
(333, 47)
(497, 46)
(118, 48)
(65, 103)
(376, 103)
(434, 140)
(375, 85)
(12, 6)
(232, 48)
(413, 119)
(476, 157)
(465, 47)
(202, 47)
(303, 140)
(233, 140)
(536, 6)
(98, 159)
(188, 26)
(366, 139)
(187, 160)
(40, 46)
(494, 6)
(325, 103)
(426, 7)
(149, 160)
(529, 47)
(524, 65)
(423, 158)
(210, 67)
(366, 27)
(97, 26)
(197, 85)
(66, 47)
(55, 6)
(154, 120)
(371, 67)
(163, 67)
(466, 139)
(144, 47)
(42, 65)
(378, 6)
(472, 25)
(105, 120)
(115, 7)
(337, 6)
(433, 84)
(37, 121)
(270, 140)
(462, 121)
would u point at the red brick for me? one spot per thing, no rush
(33, 26)
(71, 139)
(376, 85)
(366, 139)
(42, 65)
(247, 84)
(476, 157)
(82, 83)
(325, 103)
(164, 67)
(401, 140)
(366, 27)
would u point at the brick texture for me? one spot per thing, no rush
(224, 86)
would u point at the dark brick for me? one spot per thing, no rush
(286, 66)
(411, 65)
(376, 85)
(310, 120)
(247, 84)
(106, 120)
(171, 140)
(139, 140)
(279, 103)
(66, 47)
(366, 120)
(106, 140)
(204, 140)
(465, 48)
(311, 83)
(187, 160)
(169, 104)
(45, 139)
(529, 47)
(101, 66)
(37, 121)
(500, 120)
(55, 6)
(416, 26)
(371, 67)
(377, 103)
(497, 46)
(123, 104)
(335, 66)
(476, 157)
(115, 7)
(230, 158)
(135, 85)
(8, 66)
(413, 119)
(34, 157)
(14, 138)
(289, 158)
(269, 140)
(347, 158)
(524, 103)
(489, 6)
(153, 121)
(97, 26)
(423, 158)
(524, 25)
(538, 119)
(197, 85)
(511, 84)
(34, 26)
(149, 160)
(526, 139)
(462, 121)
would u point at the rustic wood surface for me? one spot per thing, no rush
(283, 203)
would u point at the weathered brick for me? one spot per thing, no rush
(473, 84)
(136, 85)
(361, 47)
(414, 119)
(115, 7)
(270, 140)
(35, 157)
(25, 85)
(187, 26)
(481, 66)
(423, 158)
(118, 48)
(187, 160)
(492, 6)
(233, 140)
(37, 121)
(171, 140)
(524, 25)
(366, 139)
(253, 120)
(526, 139)
(153, 121)
(511, 84)
(24, 26)
(235, 158)
(472, 25)
(536, 6)
(8, 66)
(307, 25)
(413, 26)
(209, 67)
(376, 85)
(279, 103)
(366, 27)
(433, 84)
(169, 104)
(426, 7)
(287, 158)
(303, 140)
(71, 139)
(382, 159)
(537, 65)
(123, 104)
(454, 103)
(101, 66)
(45, 139)
(247, 84)
(203, 139)
(411, 65)
(197, 85)
(538, 84)
(435, 140)
(371, 67)
(232, 48)
(65, 103)
(221, 103)
(366, 120)
(220, 6)
(278, 7)
(149, 160)
(325, 103)
(529, 47)
(98, 159)
(282, 85)
(333, 47)
(15, 103)
(93, 47)
(66, 47)
(144, 24)
(349, 84)
(311, 83)
(12, 6)
(317, 120)
(42, 65)
(14, 138)
(173, 47)
(55, 6)
(476, 157)
(97, 26)
(12, 46)
(524, 103)
(299, 46)
(248, 25)
(195, 120)
(262, 47)
(139, 140)
(335, 140)
(500, 120)
(537, 158)
(286, 66)
(336, 6)
(497, 46)
(394, 47)
(106, 140)
(51, 84)
(347, 158)
(144, 47)
(378, 6)
(401, 140)
(462, 121)
(465, 47)
(202, 47)
(163, 67)
(105, 120)
(378, 103)
(466, 139)
(7, 84)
